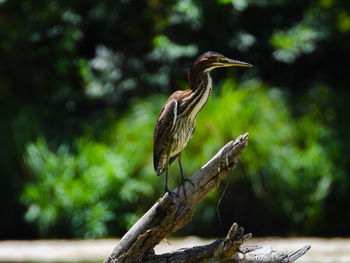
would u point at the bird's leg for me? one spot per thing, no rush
(183, 179)
(166, 190)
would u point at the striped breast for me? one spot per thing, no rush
(188, 110)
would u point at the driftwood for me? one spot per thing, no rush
(175, 210)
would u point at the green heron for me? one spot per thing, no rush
(177, 119)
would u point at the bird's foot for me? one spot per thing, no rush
(182, 185)
(171, 193)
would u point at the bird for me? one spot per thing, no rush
(177, 119)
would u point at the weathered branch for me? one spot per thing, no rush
(229, 250)
(173, 211)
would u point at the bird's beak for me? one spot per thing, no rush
(236, 63)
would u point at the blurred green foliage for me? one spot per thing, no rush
(94, 187)
(80, 85)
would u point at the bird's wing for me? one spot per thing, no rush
(162, 134)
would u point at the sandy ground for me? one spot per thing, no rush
(334, 250)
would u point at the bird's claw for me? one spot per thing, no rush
(170, 193)
(182, 185)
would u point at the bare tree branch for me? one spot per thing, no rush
(175, 210)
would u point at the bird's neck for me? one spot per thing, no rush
(198, 80)
(198, 93)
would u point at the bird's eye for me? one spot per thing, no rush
(220, 59)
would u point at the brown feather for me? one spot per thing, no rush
(162, 133)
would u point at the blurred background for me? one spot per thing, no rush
(82, 83)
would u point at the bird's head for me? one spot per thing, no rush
(211, 60)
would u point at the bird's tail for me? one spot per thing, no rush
(159, 165)
(159, 171)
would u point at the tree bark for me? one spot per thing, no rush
(175, 209)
